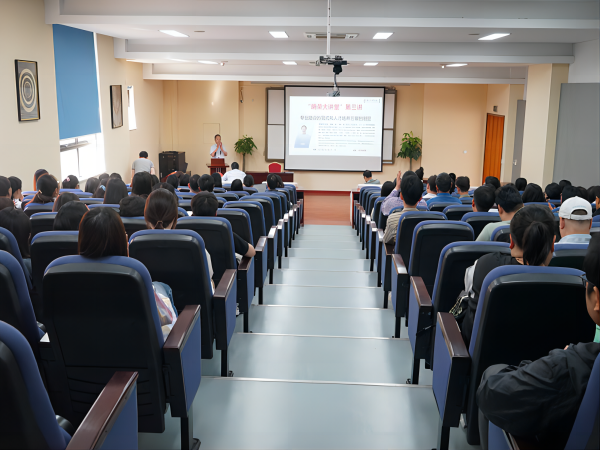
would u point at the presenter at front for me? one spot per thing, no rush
(218, 149)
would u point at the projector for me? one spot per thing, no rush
(337, 62)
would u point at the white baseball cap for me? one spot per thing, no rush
(575, 204)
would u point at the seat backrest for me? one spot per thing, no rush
(285, 204)
(274, 168)
(439, 206)
(478, 220)
(28, 420)
(218, 240)
(371, 203)
(114, 206)
(91, 201)
(367, 198)
(596, 219)
(466, 200)
(257, 218)
(228, 196)
(429, 239)
(288, 194)
(8, 243)
(42, 222)
(189, 278)
(134, 224)
(251, 190)
(240, 222)
(382, 221)
(536, 203)
(518, 305)
(218, 190)
(364, 191)
(33, 208)
(277, 203)
(569, 255)
(377, 209)
(456, 212)
(406, 227)
(116, 327)
(501, 234)
(240, 194)
(268, 209)
(186, 204)
(222, 202)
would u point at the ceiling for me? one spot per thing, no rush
(426, 35)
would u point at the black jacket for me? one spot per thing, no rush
(540, 398)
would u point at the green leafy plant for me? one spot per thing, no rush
(245, 146)
(411, 147)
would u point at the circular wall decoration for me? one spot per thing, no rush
(27, 89)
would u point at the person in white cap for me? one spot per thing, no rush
(575, 221)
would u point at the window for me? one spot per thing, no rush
(131, 108)
(82, 156)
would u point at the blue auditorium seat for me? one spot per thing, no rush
(117, 327)
(42, 222)
(358, 206)
(91, 201)
(27, 198)
(33, 208)
(84, 194)
(456, 212)
(440, 206)
(504, 333)
(466, 200)
(282, 218)
(540, 203)
(375, 243)
(114, 206)
(134, 224)
(8, 243)
(239, 193)
(186, 204)
(74, 191)
(250, 189)
(271, 221)
(569, 255)
(219, 190)
(595, 227)
(478, 220)
(228, 196)
(29, 421)
(501, 234)
(186, 195)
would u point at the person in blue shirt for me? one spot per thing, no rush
(302, 139)
(443, 183)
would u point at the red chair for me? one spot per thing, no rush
(274, 168)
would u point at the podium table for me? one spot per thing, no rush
(217, 165)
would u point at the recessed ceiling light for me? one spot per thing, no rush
(290, 63)
(130, 60)
(382, 35)
(179, 60)
(208, 62)
(279, 34)
(173, 33)
(455, 65)
(198, 31)
(491, 37)
(473, 34)
(371, 64)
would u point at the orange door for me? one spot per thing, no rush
(494, 136)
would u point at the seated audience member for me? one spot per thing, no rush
(205, 204)
(17, 222)
(386, 190)
(155, 179)
(103, 176)
(567, 193)
(563, 184)
(69, 216)
(249, 181)
(521, 184)
(552, 192)
(193, 184)
(115, 175)
(71, 182)
(531, 243)
(206, 183)
(575, 217)
(411, 191)
(272, 182)
(218, 182)
(63, 199)
(419, 173)
(132, 206)
(38, 173)
(493, 181)
(509, 202)
(173, 181)
(484, 198)
(102, 234)
(279, 182)
(533, 194)
(234, 174)
(540, 399)
(236, 185)
(101, 191)
(431, 188)
(463, 184)
(393, 200)
(452, 176)
(582, 192)
(47, 190)
(17, 191)
(91, 185)
(115, 192)
(184, 180)
(592, 193)
(5, 188)
(368, 177)
(443, 184)
(141, 185)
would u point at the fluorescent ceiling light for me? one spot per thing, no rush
(180, 60)
(208, 62)
(491, 37)
(173, 33)
(290, 63)
(371, 64)
(130, 60)
(279, 34)
(382, 35)
(456, 65)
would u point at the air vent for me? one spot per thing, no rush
(321, 35)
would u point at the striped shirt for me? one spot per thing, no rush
(391, 228)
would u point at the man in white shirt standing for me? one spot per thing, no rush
(234, 174)
(218, 149)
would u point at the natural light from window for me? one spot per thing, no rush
(131, 108)
(82, 156)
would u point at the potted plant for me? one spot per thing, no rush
(411, 147)
(244, 146)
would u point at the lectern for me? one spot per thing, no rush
(217, 165)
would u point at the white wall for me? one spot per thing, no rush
(586, 68)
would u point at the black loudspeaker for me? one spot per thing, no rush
(170, 162)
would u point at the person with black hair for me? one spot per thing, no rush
(234, 174)
(141, 185)
(103, 176)
(236, 185)
(91, 185)
(431, 188)
(419, 173)
(393, 200)
(17, 222)
(206, 183)
(368, 177)
(509, 202)
(47, 190)
(411, 191)
(132, 206)
(184, 180)
(249, 181)
(115, 192)
(279, 182)
(205, 204)
(38, 173)
(386, 190)
(5, 188)
(562, 184)
(69, 216)
(142, 164)
(63, 199)
(533, 194)
(463, 184)
(552, 192)
(443, 184)
(452, 176)
(101, 190)
(218, 182)
(484, 198)
(272, 182)
(17, 191)
(582, 192)
(173, 181)
(493, 181)
(115, 176)
(71, 182)
(540, 399)
(155, 179)
(521, 184)
(193, 184)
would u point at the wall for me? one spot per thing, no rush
(586, 68)
(32, 145)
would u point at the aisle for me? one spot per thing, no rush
(320, 369)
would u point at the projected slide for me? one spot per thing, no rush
(335, 126)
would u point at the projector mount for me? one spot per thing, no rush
(336, 61)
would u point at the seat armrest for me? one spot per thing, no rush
(399, 266)
(389, 250)
(224, 305)
(380, 233)
(272, 232)
(280, 224)
(116, 404)
(260, 246)
(244, 265)
(374, 227)
(182, 353)
(520, 443)
(421, 295)
(420, 317)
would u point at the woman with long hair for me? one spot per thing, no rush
(47, 190)
(116, 190)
